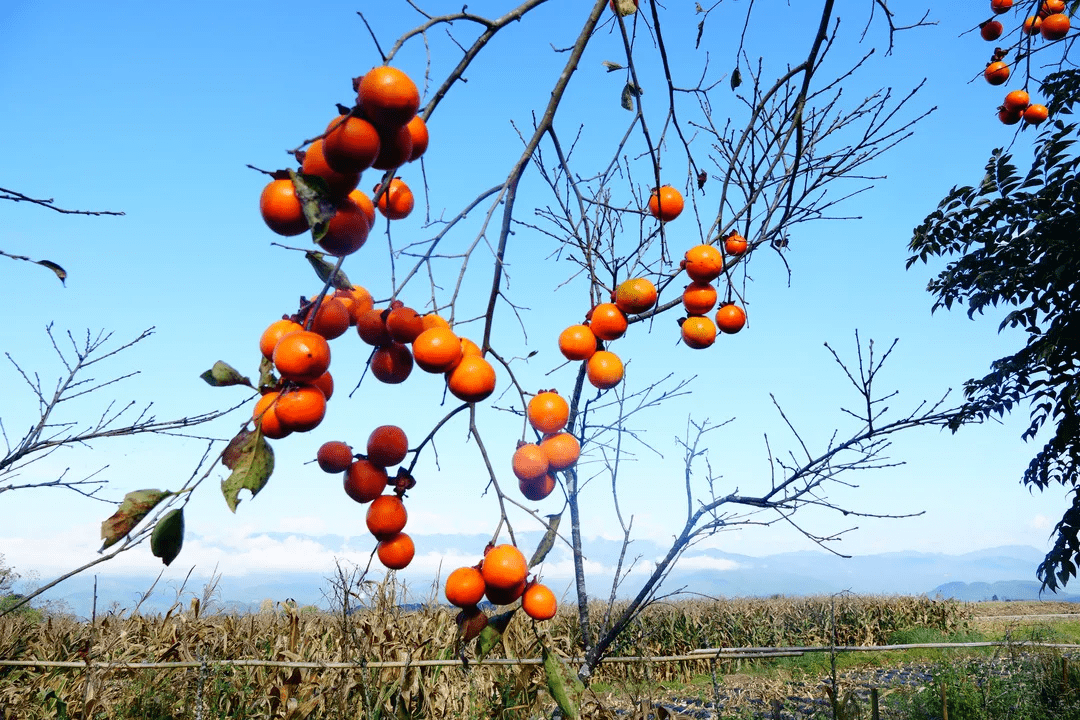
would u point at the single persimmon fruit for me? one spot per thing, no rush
(1017, 100)
(1032, 25)
(699, 298)
(607, 321)
(386, 516)
(730, 318)
(604, 369)
(349, 228)
(387, 446)
(387, 96)
(1055, 26)
(365, 481)
(357, 300)
(302, 356)
(436, 349)
(472, 380)
(703, 263)
(539, 602)
(403, 323)
(464, 587)
(698, 332)
(397, 202)
(1051, 7)
(392, 364)
(350, 144)
(395, 148)
(665, 203)
(334, 456)
(735, 244)
(577, 342)
(498, 596)
(325, 382)
(301, 409)
(548, 412)
(265, 416)
(529, 462)
(1010, 117)
(504, 567)
(371, 327)
(635, 295)
(562, 450)
(396, 552)
(331, 319)
(419, 133)
(281, 209)
(1001, 6)
(996, 73)
(991, 30)
(1036, 114)
(435, 320)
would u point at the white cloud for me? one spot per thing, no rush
(1042, 522)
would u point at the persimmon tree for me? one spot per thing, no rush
(789, 148)
(1010, 241)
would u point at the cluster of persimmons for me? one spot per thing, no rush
(383, 131)
(1051, 23)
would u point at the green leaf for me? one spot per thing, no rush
(318, 209)
(492, 633)
(547, 542)
(565, 687)
(325, 270)
(222, 374)
(133, 509)
(267, 378)
(251, 460)
(168, 536)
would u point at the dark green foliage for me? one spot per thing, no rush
(1014, 240)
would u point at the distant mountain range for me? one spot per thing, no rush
(1007, 572)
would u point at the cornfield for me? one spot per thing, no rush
(383, 631)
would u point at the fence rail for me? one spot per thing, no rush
(702, 654)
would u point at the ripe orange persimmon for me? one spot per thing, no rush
(391, 363)
(419, 133)
(735, 244)
(365, 481)
(464, 587)
(325, 382)
(331, 319)
(577, 342)
(387, 446)
(1001, 6)
(302, 356)
(348, 229)
(468, 349)
(357, 300)
(277, 330)
(371, 326)
(562, 450)
(537, 488)
(435, 320)
(265, 416)
(397, 202)
(730, 318)
(996, 73)
(529, 462)
(1036, 114)
(339, 184)
(1017, 100)
(351, 144)
(1051, 7)
(504, 567)
(548, 412)
(605, 369)
(386, 516)
(396, 552)
(281, 208)
(698, 332)
(699, 298)
(991, 30)
(607, 321)
(387, 96)
(635, 295)
(334, 456)
(539, 602)
(1055, 26)
(665, 203)
(1032, 25)
(472, 380)
(301, 409)
(436, 349)
(703, 263)
(403, 323)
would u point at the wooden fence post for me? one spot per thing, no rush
(944, 704)
(874, 713)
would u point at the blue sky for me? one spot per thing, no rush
(156, 110)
